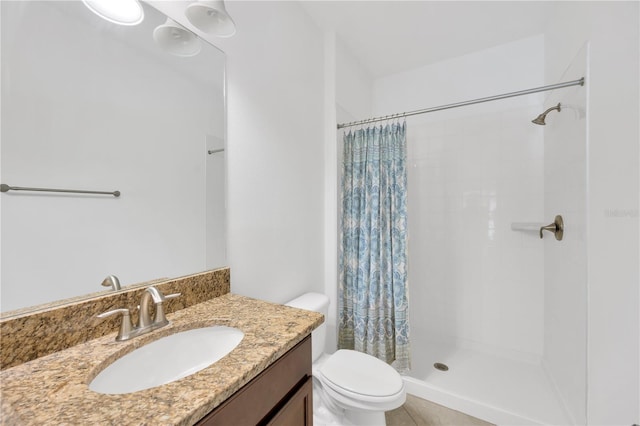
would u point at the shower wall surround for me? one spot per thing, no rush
(612, 30)
(474, 281)
(565, 265)
(473, 171)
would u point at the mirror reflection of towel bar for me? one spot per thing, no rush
(7, 188)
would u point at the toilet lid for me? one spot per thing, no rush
(361, 373)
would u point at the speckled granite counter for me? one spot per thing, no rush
(54, 389)
(40, 331)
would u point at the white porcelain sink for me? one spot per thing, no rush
(167, 359)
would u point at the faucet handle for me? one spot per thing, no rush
(172, 296)
(557, 228)
(160, 319)
(125, 327)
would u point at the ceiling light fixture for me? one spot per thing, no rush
(211, 17)
(121, 12)
(176, 39)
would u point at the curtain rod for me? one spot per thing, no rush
(579, 82)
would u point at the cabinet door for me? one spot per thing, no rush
(268, 393)
(298, 411)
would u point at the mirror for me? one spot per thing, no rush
(92, 105)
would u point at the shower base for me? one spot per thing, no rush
(497, 389)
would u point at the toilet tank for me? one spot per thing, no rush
(315, 302)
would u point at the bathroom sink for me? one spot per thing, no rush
(167, 359)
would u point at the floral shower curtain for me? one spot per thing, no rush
(373, 312)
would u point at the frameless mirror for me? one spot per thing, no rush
(91, 105)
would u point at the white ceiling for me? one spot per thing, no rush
(393, 36)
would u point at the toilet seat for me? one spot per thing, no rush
(355, 401)
(363, 381)
(361, 374)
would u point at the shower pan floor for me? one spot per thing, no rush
(493, 388)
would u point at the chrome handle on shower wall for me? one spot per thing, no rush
(557, 227)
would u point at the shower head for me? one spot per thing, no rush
(540, 119)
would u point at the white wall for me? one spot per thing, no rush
(92, 113)
(612, 30)
(354, 86)
(275, 151)
(331, 176)
(472, 172)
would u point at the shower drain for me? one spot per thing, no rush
(440, 366)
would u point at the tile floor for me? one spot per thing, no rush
(420, 412)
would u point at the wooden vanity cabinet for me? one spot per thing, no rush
(280, 396)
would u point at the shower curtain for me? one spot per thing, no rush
(373, 312)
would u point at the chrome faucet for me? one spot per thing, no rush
(159, 319)
(112, 281)
(145, 322)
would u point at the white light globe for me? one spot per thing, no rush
(176, 39)
(121, 12)
(211, 16)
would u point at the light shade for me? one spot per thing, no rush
(121, 12)
(176, 39)
(211, 17)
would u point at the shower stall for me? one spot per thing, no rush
(497, 307)
(490, 299)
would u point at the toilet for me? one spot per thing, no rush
(349, 387)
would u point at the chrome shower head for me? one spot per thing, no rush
(540, 119)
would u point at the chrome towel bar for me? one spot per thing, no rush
(6, 188)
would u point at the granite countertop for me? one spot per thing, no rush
(54, 389)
